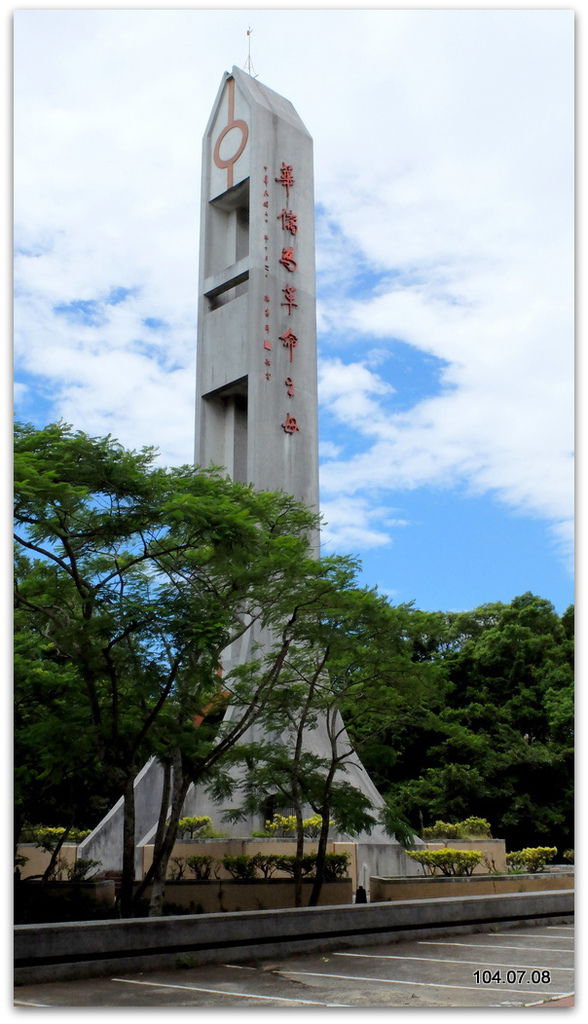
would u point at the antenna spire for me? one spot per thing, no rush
(248, 66)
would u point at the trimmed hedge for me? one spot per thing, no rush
(246, 867)
(470, 828)
(531, 859)
(447, 861)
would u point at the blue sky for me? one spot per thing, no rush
(444, 187)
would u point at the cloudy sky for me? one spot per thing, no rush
(444, 181)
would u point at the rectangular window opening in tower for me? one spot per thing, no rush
(225, 412)
(227, 255)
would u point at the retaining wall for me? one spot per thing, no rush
(85, 949)
(37, 859)
(472, 885)
(210, 897)
(218, 848)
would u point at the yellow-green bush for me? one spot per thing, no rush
(196, 828)
(280, 825)
(470, 828)
(47, 836)
(447, 861)
(532, 859)
(476, 828)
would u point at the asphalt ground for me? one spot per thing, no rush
(510, 968)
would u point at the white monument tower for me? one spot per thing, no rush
(256, 376)
(256, 391)
(256, 388)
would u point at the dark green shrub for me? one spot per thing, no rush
(336, 865)
(242, 866)
(78, 872)
(267, 863)
(201, 866)
(287, 863)
(177, 872)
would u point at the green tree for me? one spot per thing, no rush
(138, 577)
(350, 654)
(500, 743)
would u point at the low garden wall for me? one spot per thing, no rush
(441, 887)
(37, 859)
(36, 901)
(218, 848)
(227, 895)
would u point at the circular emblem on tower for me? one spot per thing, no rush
(236, 133)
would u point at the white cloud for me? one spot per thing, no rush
(347, 390)
(329, 450)
(444, 177)
(348, 525)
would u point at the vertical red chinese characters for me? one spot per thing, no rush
(267, 345)
(289, 223)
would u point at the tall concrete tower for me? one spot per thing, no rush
(256, 390)
(256, 378)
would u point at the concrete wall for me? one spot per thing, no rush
(105, 842)
(473, 885)
(85, 949)
(38, 859)
(383, 859)
(365, 858)
(218, 848)
(212, 897)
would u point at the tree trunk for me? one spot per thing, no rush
(321, 850)
(54, 855)
(299, 849)
(180, 786)
(325, 810)
(128, 870)
(159, 834)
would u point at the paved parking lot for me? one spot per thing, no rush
(518, 967)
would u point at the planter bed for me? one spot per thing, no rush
(386, 889)
(36, 901)
(214, 895)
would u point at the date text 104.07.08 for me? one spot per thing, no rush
(513, 977)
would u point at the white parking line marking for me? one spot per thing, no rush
(526, 935)
(495, 945)
(223, 992)
(446, 960)
(21, 1002)
(420, 984)
(239, 967)
(565, 995)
